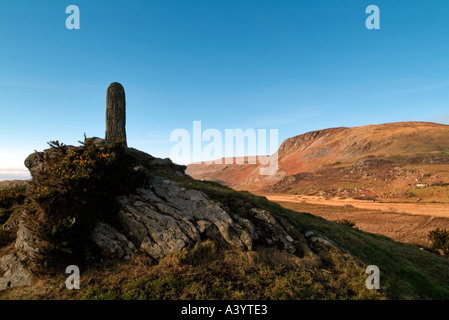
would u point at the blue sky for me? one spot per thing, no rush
(294, 66)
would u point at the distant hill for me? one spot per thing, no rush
(336, 157)
(13, 184)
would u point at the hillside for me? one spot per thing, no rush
(385, 161)
(12, 184)
(159, 234)
(116, 210)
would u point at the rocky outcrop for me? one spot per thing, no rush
(155, 215)
(159, 218)
(28, 242)
(36, 162)
(112, 244)
(162, 217)
(165, 218)
(14, 274)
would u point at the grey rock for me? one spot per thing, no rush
(193, 205)
(29, 243)
(98, 142)
(263, 215)
(14, 274)
(13, 221)
(164, 218)
(317, 239)
(321, 240)
(112, 243)
(310, 233)
(274, 234)
(35, 164)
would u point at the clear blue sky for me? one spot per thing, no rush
(294, 66)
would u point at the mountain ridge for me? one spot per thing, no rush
(339, 147)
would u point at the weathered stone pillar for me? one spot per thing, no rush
(115, 113)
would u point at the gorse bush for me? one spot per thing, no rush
(346, 222)
(11, 196)
(10, 199)
(77, 188)
(86, 171)
(440, 240)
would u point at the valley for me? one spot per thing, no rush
(403, 222)
(390, 179)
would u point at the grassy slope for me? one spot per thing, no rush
(207, 272)
(407, 272)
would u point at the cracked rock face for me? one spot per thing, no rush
(165, 218)
(112, 243)
(14, 274)
(29, 244)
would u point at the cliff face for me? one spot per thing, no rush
(352, 144)
(335, 147)
(304, 141)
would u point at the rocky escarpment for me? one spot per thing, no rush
(158, 218)
(303, 141)
(164, 218)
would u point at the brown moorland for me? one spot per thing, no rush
(386, 157)
(391, 179)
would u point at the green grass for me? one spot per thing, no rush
(444, 151)
(407, 272)
(430, 193)
(208, 271)
(407, 159)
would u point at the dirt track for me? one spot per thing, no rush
(427, 209)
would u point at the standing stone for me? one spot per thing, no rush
(115, 113)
